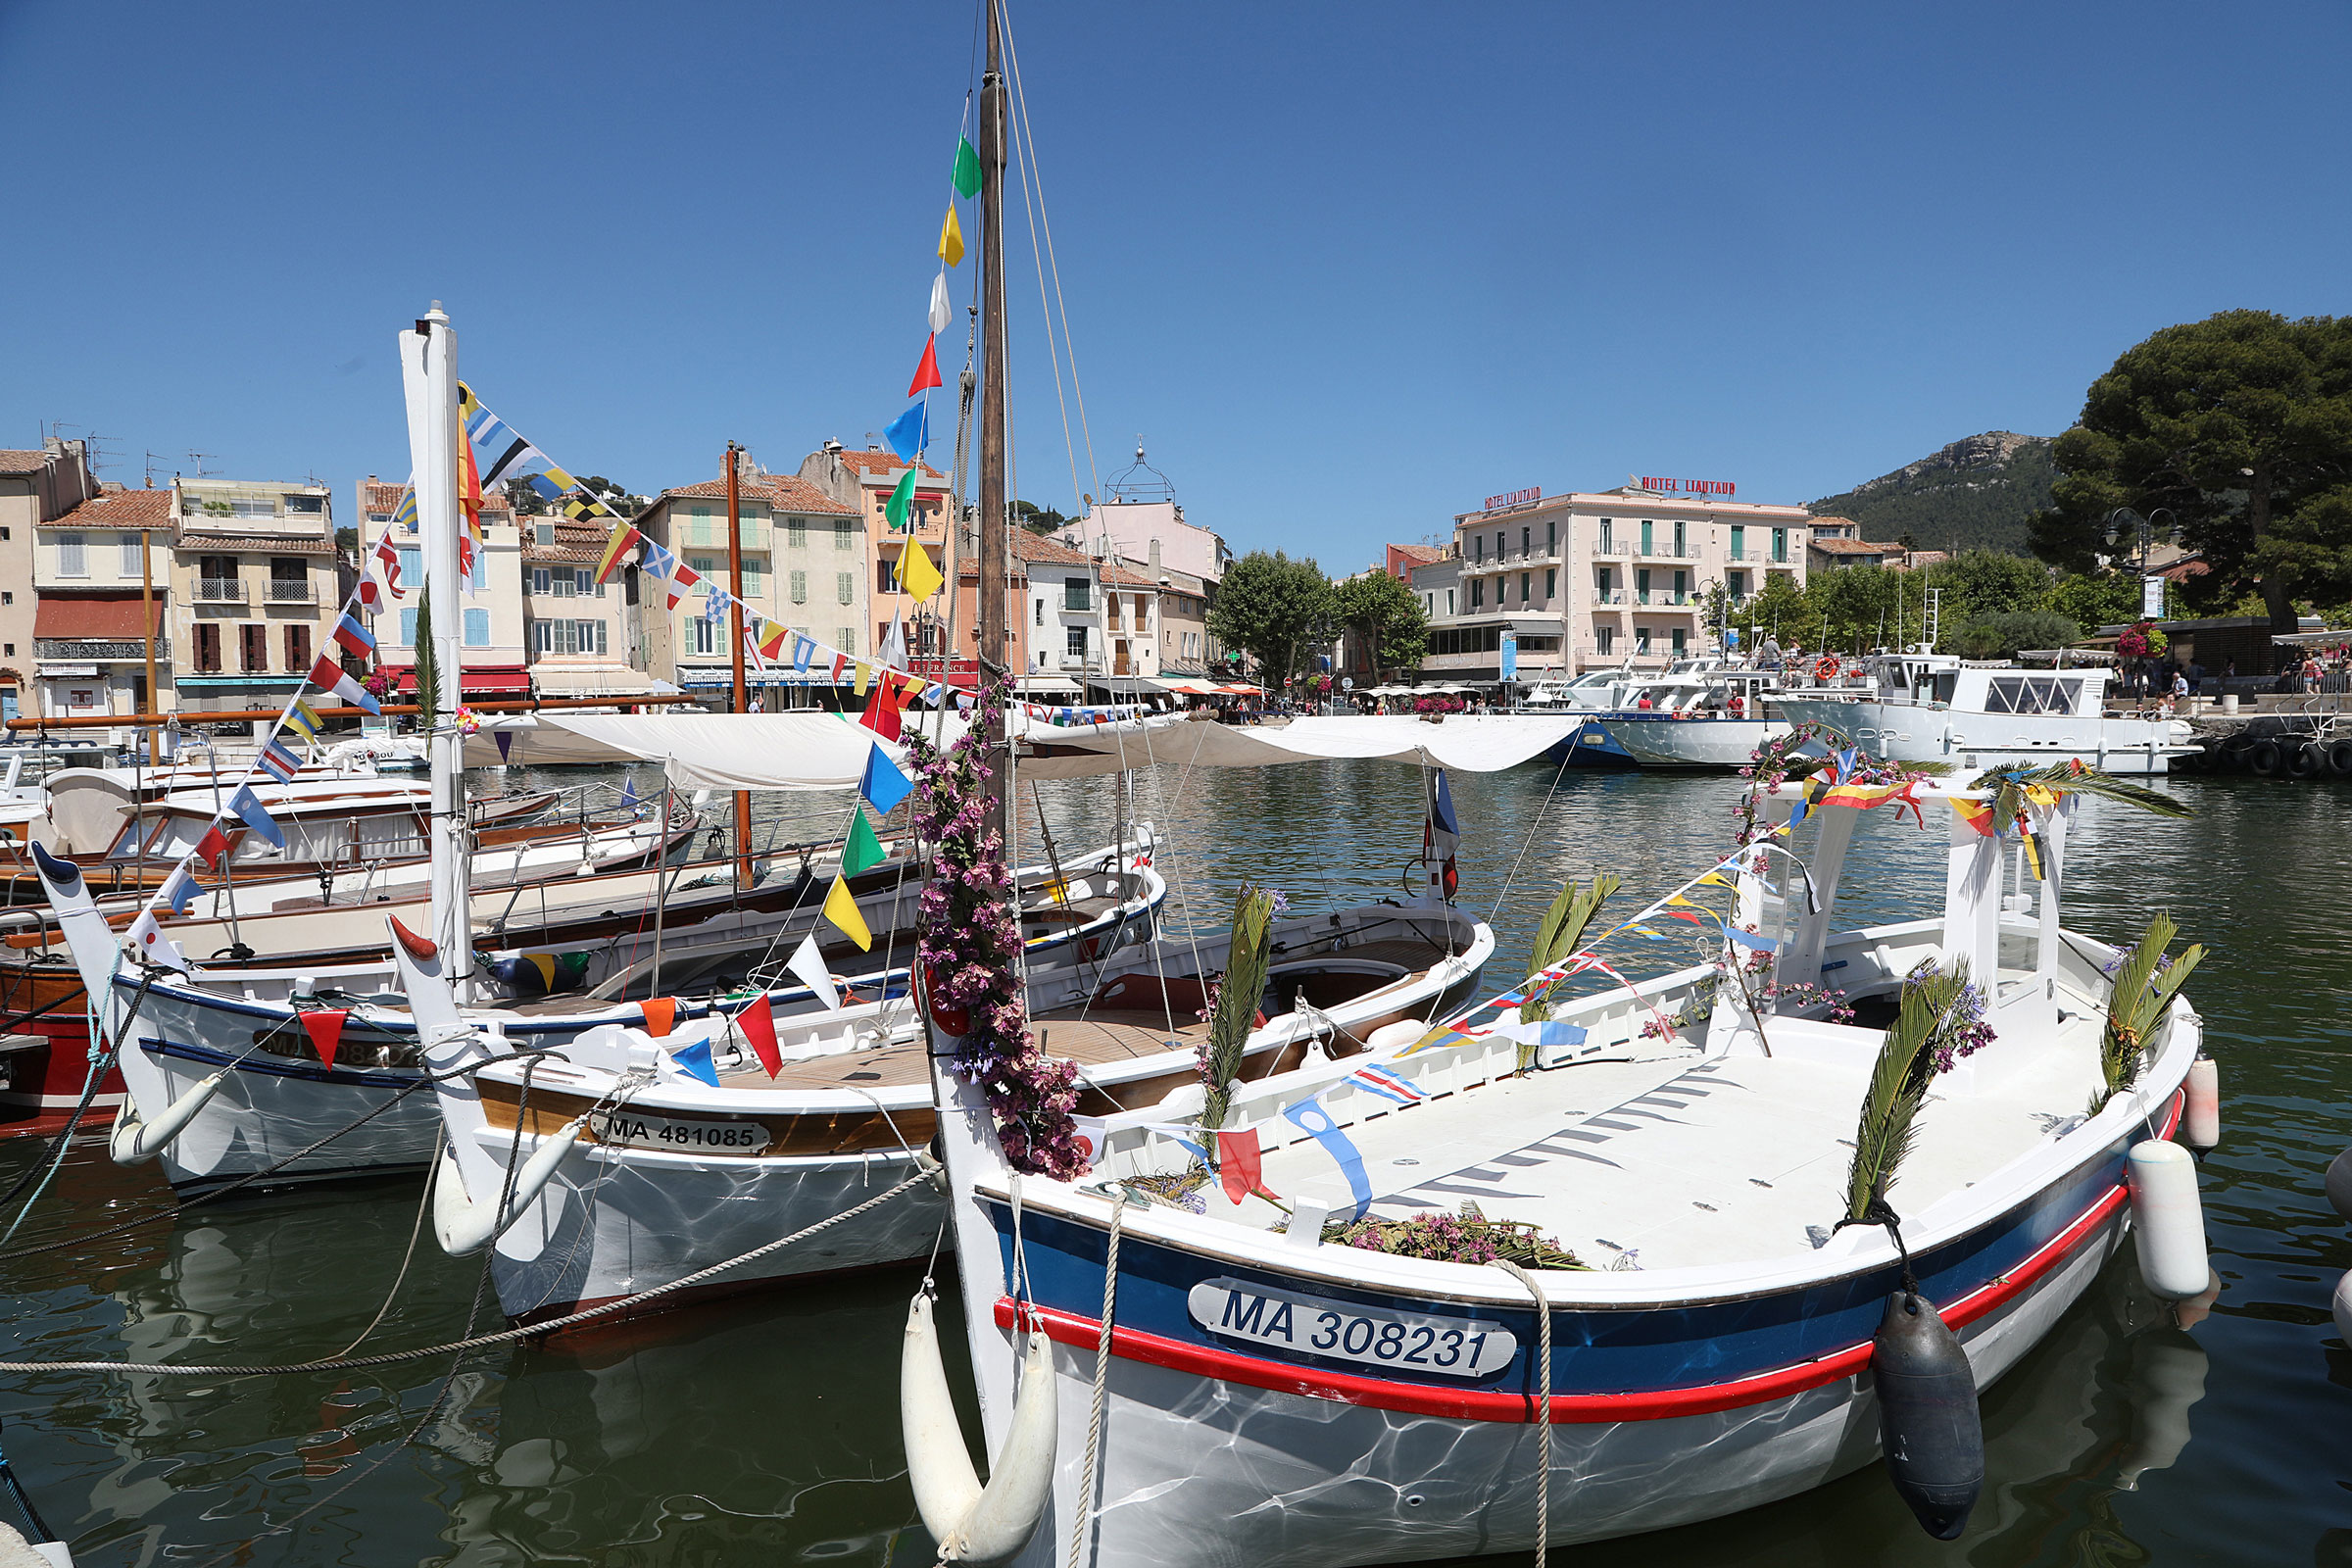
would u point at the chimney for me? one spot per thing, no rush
(1155, 560)
(832, 444)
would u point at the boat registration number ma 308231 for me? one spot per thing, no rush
(1345, 1331)
(676, 1137)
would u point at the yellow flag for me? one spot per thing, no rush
(1714, 879)
(950, 238)
(842, 910)
(866, 674)
(916, 574)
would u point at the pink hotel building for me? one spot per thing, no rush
(1592, 580)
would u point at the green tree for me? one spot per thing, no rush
(2094, 599)
(1384, 612)
(1978, 583)
(612, 495)
(1274, 608)
(1780, 610)
(2001, 635)
(1039, 520)
(2241, 426)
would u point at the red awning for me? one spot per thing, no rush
(92, 617)
(489, 680)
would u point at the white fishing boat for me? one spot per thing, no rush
(1272, 1394)
(1935, 707)
(1719, 720)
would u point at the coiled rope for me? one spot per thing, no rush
(479, 1342)
(1544, 1396)
(1090, 1477)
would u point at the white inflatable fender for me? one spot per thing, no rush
(973, 1523)
(133, 1140)
(467, 1224)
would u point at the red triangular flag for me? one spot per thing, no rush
(660, 1013)
(1238, 1169)
(926, 374)
(213, 846)
(758, 1025)
(325, 1026)
(881, 714)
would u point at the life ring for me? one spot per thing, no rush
(1826, 667)
(2263, 757)
(2339, 759)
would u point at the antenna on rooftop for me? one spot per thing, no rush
(97, 456)
(196, 461)
(154, 459)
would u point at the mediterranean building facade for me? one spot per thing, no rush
(802, 554)
(859, 484)
(490, 616)
(102, 583)
(35, 487)
(1593, 580)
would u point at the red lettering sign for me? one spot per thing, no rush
(1696, 487)
(1515, 498)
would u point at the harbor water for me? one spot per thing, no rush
(765, 1429)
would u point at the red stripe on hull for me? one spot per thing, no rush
(1473, 1405)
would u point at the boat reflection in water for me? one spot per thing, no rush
(2096, 1409)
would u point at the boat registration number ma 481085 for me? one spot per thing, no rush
(677, 1137)
(1315, 1325)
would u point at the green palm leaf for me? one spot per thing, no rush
(2141, 997)
(1236, 1011)
(429, 667)
(1898, 1086)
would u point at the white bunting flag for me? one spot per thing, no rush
(147, 939)
(940, 315)
(808, 968)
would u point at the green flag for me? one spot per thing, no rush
(967, 168)
(863, 851)
(900, 500)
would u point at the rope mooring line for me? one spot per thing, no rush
(479, 1342)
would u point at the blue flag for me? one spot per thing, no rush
(1440, 806)
(909, 433)
(697, 1062)
(1310, 1116)
(248, 805)
(629, 792)
(883, 785)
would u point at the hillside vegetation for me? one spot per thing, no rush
(1975, 494)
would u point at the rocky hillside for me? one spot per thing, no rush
(1974, 493)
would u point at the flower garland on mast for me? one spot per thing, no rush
(970, 949)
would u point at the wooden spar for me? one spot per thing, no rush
(531, 705)
(147, 632)
(990, 515)
(743, 798)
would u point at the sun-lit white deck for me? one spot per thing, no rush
(1685, 1158)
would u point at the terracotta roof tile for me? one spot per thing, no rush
(1121, 577)
(882, 463)
(22, 462)
(120, 508)
(255, 545)
(783, 491)
(1852, 546)
(1420, 555)
(1044, 551)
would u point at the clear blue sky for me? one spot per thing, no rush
(1348, 269)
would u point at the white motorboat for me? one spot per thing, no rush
(1935, 707)
(1277, 1390)
(1718, 720)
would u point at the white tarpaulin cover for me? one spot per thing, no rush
(1486, 744)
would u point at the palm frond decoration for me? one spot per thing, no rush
(429, 667)
(1560, 933)
(1236, 1011)
(1898, 1086)
(2009, 786)
(2146, 979)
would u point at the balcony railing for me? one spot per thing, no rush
(1609, 596)
(219, 591)
(1073, 662)
(292, 593)
(95, 648)
(1668, 550)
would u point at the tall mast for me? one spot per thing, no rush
(429, 361)
(993, 647)
(743, 798)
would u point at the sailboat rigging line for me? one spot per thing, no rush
(1534, 828)
(1033, 206)
(482, 1340)
(1090, 1474)
(210, 1194)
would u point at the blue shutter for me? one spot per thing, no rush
(478, 628)
(408, 627)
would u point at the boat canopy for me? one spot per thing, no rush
(1482, 744)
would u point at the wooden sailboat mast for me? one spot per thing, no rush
(995, 645)
(743, 799)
